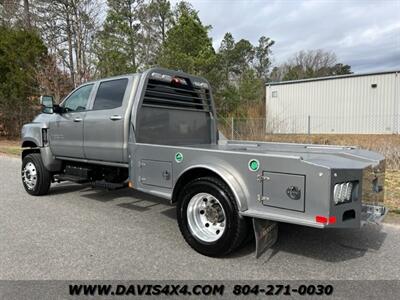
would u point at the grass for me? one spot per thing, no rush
(392, 190)
(10, 147)
(16, 151)
(386, 144)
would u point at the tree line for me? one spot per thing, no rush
(52, 46)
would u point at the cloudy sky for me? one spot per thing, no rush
(363, 33)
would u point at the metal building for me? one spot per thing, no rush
(355, 103)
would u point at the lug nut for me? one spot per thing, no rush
(207, 224)
(202, 212)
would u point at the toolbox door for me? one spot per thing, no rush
(283, 190)
(156, 173)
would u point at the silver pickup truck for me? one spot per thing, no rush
(157, 132)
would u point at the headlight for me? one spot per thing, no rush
(342, 192)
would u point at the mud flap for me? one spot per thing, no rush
(266, 234)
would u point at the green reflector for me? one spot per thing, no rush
(254, 165)
(178, 157)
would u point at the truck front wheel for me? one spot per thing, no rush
(208, 217)
(35, 177)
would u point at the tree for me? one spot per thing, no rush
(156, 18)
(243, 54)
(244, 69)
(187, 46)
(68, 28)
(117, 44)
(310, 64)
(162, 17)
(21, 53)
(226, 55)
(262, 57)
(341, 69)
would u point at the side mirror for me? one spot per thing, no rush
(47, 103)
(57, 109)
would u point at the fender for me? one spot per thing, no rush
(237, 187)
(32, 133)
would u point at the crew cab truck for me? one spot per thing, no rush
(158, 132)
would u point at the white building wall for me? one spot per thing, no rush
(336, 105)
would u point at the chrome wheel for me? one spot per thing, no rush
(29, 175)
(206, 217)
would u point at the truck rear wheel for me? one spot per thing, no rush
(208, 217)
(35, 177)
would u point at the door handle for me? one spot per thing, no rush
(115, 118)
(78, 119)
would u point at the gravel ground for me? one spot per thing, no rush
(77, 232)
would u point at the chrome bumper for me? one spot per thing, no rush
(373, 214)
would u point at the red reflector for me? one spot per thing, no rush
(321, 219)
(332, 220)
(175, 81)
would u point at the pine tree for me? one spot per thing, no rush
(117, 44)
(187, 46)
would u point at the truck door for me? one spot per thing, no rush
(66, 130)
(104, 123)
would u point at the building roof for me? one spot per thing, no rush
(331, 77)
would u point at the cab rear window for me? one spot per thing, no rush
(110, 94)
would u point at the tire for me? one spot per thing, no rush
(117, 176)
(222, 213)
(32, 167)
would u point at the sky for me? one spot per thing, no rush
(363, 33)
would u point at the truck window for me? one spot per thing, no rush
(110, 94)
(174, 114)
(77, 101)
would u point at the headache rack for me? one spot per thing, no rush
(180, 93)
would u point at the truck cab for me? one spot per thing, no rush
(157, 132)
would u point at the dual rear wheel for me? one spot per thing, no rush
(209, 219)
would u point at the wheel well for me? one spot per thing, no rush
(189, 176)
(28, 144)
(31, 147)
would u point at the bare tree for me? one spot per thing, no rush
(309, 64)
(68, 28)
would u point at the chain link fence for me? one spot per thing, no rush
(312, 131)
(307, 124)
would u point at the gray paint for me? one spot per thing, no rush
(153, 168)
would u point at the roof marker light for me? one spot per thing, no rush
(200, 85)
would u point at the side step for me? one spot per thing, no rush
(67, 177)
(109, 185)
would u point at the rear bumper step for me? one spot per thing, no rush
(373, 214)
